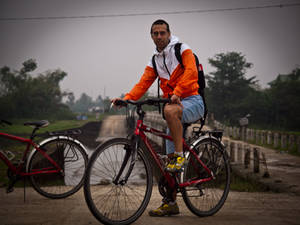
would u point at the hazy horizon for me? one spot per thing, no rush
(108, 54)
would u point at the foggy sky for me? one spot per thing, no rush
(108, 55)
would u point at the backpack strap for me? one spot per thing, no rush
(154, 65)
(177, 48)
(156, 73)
(158, 81)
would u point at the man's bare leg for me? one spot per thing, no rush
(173, 113)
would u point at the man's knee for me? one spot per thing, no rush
(172, 111)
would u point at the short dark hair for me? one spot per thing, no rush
(160, 22)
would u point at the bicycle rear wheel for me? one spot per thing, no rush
(72, 159)
(207, 198)
(113, 202)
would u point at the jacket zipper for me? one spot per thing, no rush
(166, 65)
(167, 71)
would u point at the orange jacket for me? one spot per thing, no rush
(174, 79)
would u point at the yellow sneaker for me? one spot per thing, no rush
(176, 164)
(165, 210)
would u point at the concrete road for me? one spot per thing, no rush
(112, 126)
(240, 208)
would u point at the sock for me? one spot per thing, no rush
(179, 154)
(172, 203)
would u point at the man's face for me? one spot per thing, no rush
(160, 36)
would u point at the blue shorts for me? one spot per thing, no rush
(193, 110)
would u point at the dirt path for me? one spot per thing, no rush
(240, 208)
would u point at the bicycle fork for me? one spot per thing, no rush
(131, 150)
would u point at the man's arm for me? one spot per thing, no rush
(142, 86)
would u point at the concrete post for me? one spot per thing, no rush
(253, 135)
(230, 131)
(243, 134)
(238, 133)
(269, 137)
(248, 138)
(239, 153)
(225, 133)
(298, 144)
(263, 135)
(257, 139)
(291, 142)
(252, 138)
(276, 140)
(264, 162)
(232, 150)
(234, 132)
(247, 157)
(256, 160)
(283, 141)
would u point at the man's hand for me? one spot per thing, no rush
(176, 100)
(114, 103)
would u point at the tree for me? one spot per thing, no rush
(228, 88)
(70, 99)
(284, 95)
(83, 104)
(25, 96)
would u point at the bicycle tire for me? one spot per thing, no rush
(70, 156)
(111, 203)
(207, 198)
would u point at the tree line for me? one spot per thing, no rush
(229, 95)
(23, 95)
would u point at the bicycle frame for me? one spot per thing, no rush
(18, 169)
(140, 131)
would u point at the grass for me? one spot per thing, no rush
(289, 149)
(18, 127)
(245, 185)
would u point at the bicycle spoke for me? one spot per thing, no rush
(208, 197)
(123, 200)
(71, 158)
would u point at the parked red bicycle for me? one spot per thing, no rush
(55, 166)
(118, 181)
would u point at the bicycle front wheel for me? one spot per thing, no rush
(117, 201)
(72, 159)
(207, 198)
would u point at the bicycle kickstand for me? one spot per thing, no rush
(24, 179)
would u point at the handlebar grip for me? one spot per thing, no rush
(121, 103)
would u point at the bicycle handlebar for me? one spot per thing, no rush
(148, 101)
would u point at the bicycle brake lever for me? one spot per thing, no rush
(111, 105)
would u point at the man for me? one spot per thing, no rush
(178, 83)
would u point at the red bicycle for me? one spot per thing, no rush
(55, 166)
(118, 181)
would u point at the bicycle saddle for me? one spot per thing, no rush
(38, 124)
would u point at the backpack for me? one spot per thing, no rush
(201, 77)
